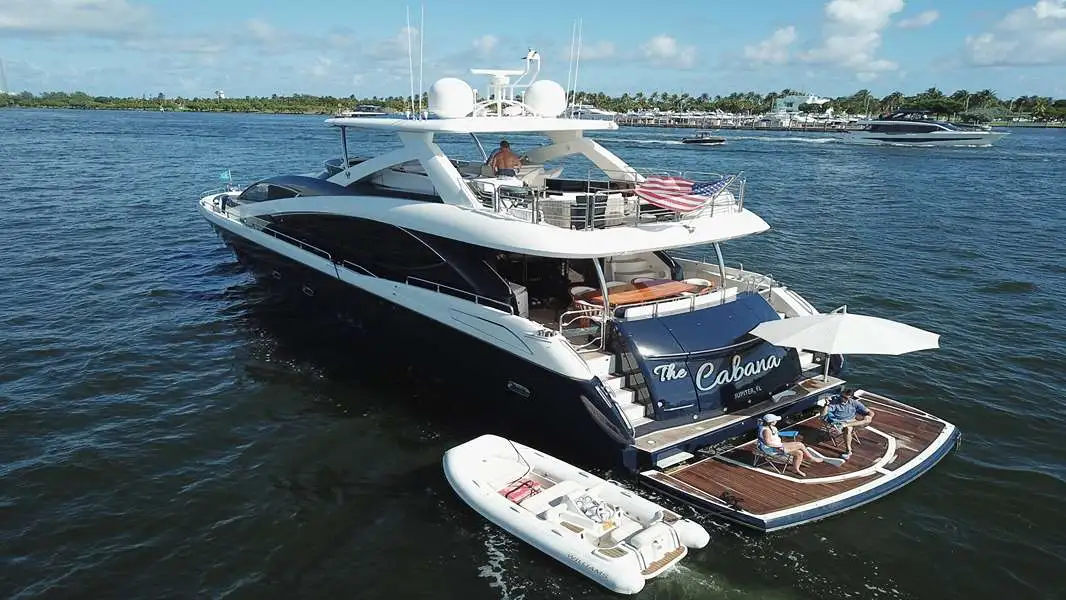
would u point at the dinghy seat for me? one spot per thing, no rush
(654, 544)
(626, 528)
(539, 503)
(659, 532)
(520, 490)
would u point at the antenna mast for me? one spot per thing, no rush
(410, 65)
(3, 78)
(577, 61)
(421, 40)
(570, 65)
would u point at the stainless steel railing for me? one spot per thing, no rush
(603, 203)
(459, 293)
(298, 243)
(589, 314)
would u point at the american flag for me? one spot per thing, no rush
(677, 193)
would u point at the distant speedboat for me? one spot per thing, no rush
(704, 138)
(913, 127)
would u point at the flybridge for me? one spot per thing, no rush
(536, 100)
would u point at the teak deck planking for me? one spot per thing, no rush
(768, 493)
(636, 293)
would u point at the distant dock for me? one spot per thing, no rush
(713, 122)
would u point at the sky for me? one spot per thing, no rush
(191, 48)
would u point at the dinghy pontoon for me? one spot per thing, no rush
(595, 527)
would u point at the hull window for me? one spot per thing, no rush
(395, 253)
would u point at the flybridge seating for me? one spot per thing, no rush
(629, 198)
(538, 194)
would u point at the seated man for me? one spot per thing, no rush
(504, 162)
(770, 437)
(846, 412)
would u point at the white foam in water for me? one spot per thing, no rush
(691, 579)
(782, 138)
(640, 141)
(498, 547)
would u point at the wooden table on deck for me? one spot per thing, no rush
(645, 291)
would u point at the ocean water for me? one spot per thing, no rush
(165, 432)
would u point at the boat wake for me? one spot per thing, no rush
(787, 138)
(642, 141)
(499, 548)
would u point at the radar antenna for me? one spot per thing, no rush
(501, 91)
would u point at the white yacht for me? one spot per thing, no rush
(588, 111)
(567, 304)
(913, 127)
(363, 110)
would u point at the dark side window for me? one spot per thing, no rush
(264, 191)
(254, 193)
(276, 192)
(385, 250)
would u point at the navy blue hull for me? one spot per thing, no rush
(499, 392)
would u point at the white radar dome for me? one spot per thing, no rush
(546, 98)
(451, 98)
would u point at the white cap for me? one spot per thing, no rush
(771, 418)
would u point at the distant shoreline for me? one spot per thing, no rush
(982, 106)
(323, 113)
(178, 110)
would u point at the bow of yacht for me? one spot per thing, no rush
(568, 303)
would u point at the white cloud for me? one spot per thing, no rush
(774, 49)
(261, 31)
(199, 44)
(321, 68)
(922, 19)
(486, 44)
(664, 49)
(340, 39)
(599, 51)
(102, 18)
(1032, 35)
(853, 35)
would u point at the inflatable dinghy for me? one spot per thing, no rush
(595, 527)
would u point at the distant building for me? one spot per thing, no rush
(792, 103)
(3, 79)
(220, 94)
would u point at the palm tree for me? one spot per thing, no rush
(893, 101)
(985, 99)
(931, 94)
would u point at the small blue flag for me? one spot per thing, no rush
(225, 176)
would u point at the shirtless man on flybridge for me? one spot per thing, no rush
(504, 162)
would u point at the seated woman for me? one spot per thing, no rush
(769, 436)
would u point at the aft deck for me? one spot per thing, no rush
(901, 444)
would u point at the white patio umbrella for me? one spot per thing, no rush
(845, 333)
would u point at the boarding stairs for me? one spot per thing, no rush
(603, 366)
